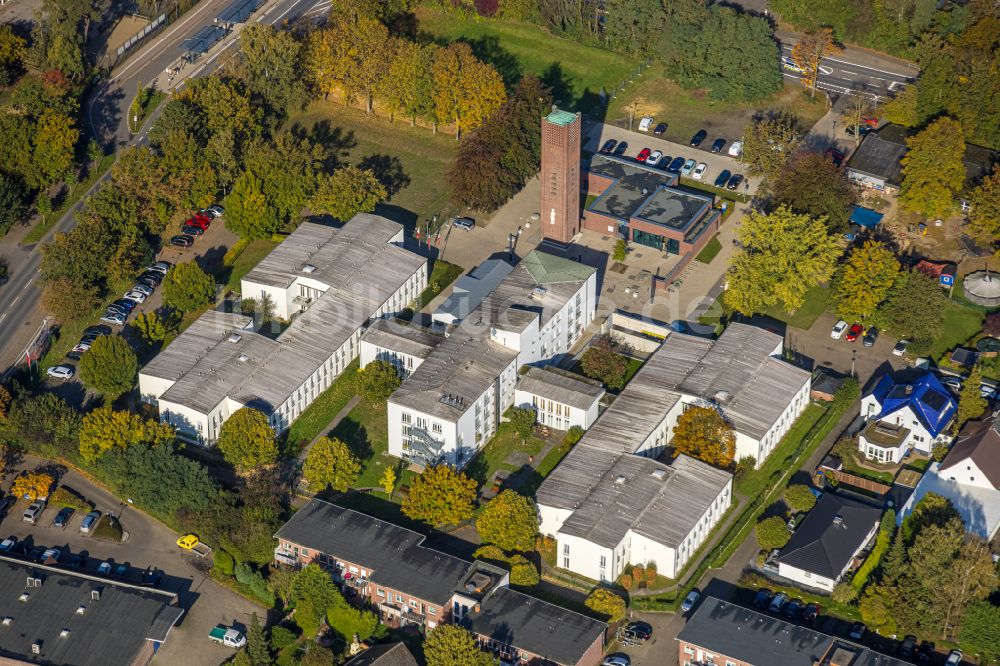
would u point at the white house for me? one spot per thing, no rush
(450, 405)
(911, 410)
(583, 507)
(825, 544)
(331, 282)
(560, 399)
(403, 344)
(969, 476)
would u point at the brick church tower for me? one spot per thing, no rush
(560, 212)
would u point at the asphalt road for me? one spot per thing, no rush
(837, 75)
(105, 119)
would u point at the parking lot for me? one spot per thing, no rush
(149, 544)
(595, 134)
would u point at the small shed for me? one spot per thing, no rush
(865, 217)
(942, 271)
(964, 357)
(824, 386)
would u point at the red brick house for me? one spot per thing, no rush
(408, 583)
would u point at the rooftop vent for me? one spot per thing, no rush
(81, 609)
(660, 474)
(36, 647)
(243, 358)
(24, 597)
(308, 268)
(620, 481)
(64, 633)
(909, 389)
(95, 594)
(723, 397)
(7, 621)
(838, 521)
(235, 337)
(538, 293)
(452, 400)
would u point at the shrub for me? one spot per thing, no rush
(63, 496)
(224, 562)
(799, 497)
(844, 593)
(282, 637)
(490, 553)
(626, 581)
(606, 603)
(522, 572)
(772, 533)
(573, 435)
(522, 420)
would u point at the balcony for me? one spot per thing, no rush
(287, 558)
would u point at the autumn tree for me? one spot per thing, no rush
(409, 84)
(187, 287)
(901, 109)
(606, 603)
(510, 521)
(466, 91)
(984, 211)
(68, 300)
(54, 146)
(783, 255)
(12, 50)
(809, 52)
(109, 366)
(767, 145)
(330, 463)
(971, 403)
(247, 441)
(32, 485)
(914, 309)
(620, 251)
(105, 429)
(602, 362)
(347, 192)
(452, 645)
(812, 185)
(864, 281)
(702, 433)
(151, 326)
(772, 533)
(933, 169)
(440, 496)
(388, 480)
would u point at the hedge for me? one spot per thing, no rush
(63, 496)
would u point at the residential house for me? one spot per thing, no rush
(969, 476)
(826, 543)
(725, 634)
(609, 503)
(410, 583)
(560, 399)
(451, 405)
(908, 410)
(54, 615)
(331, 283)
(388, 654)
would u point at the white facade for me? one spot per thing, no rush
(810, 579)
(555, 414)
(404, 363)
(975, 499)
(919, 437)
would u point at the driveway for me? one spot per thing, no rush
(817, 345)
(595, 134)
(150, 543)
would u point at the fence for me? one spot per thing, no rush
(154, 25)
(852, 480)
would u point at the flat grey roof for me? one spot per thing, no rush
(470, 290)
(634, 183)
(673, 208)
(110, 632)
(183, 354)
(402, 337)
(562, 387)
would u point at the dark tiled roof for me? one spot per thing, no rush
(762, 640)
(979, 442)
(110, 632)
(879, 154)
(529, 624)
(824, 544)
(392, 654)
(393, 552)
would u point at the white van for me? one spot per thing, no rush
(645, 124)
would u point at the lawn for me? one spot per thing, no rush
(960, 323)
(442, 274)
(412, 162)
(365, 431)
(491, 457)
(575, 72)
(753, 482)
(709, 252)
(318, 415)
(817, 300)
(249, 258)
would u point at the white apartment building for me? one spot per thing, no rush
(331, 283)
(450, 405)
(560, 399)
(403, 344)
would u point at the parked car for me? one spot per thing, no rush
(617, 659)
(608, 146)
(900, 347)
(908, 646)
(121, 570)
(987, 391)
(675, 166)
(654, 157)
(698, 138)
(762, 598)
(858, 631)
(77, 561)
(723, 178)
(641, 630)
(863, 130)
(838, 329)
(836, 156)
(645, 124)
(620, 150)
(643, 154)
(61, 372)
(718, 145)
(778, 602)
(90, 521)
(699, 171)
(152, 577)
(113, 308)
(50, 553)
(954, 658)
(215, 210)
(466, 223)
(870, 337)
(143, 289)
(104, 568)
(665, 162)
(191, 230)
(792, 609)
(160, 267)
(114, 318)
(690, 600)
(5, 504)
(735, 181)
(790, 65)
(736, 148)
(953, 383)
(81, 346)
(135, 295)
(810, 613)
(97, 331)
(124, 304)
(871, 121)
(153, 276)
(660, 129)
(688, 167)
(855, 330)
(925, 651)
(32, 513)
(182, 241)
(62, 518)
(8, 544)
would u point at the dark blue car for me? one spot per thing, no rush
(722, 178)
(675, 166)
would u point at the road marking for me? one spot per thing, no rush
(907, 77)
(141, 57)
(27, 284)
(16, 299)
(825, 70)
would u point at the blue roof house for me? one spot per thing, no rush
(914, 412)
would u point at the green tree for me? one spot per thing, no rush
(980, 629)
(349, 621)
(187, 287)
(573, 435)
(410, 80)
(886, 529)
(152, 328)
(602, 362)
(269, 63)
(865, 280)
(54, 145)
(933, 170)
(605, 602)
(247, 210)
(522, 572)
(984, 214)
(257, 649)
(620, 252)
(783, 255)
(317, 655)
(314, 587)
(13, 201)
(103, 430)
(440, 496)
(452, 645)
(914, 309)
(246, 440)
(877, 609)
(522, 420)
(812, 185)
(109, 366)
(510, 521)
(767, 145)
(772, 533)
(347, 192)
(331, 463)
(377, 381)
(901, 109)
(702, 433)
(971, 403)
(69, 300)
(799, 497)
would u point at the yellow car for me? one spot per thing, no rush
(188, 541)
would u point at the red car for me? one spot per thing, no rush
(197, 222)
(871, 121)
(643, 154)
(854, 332)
